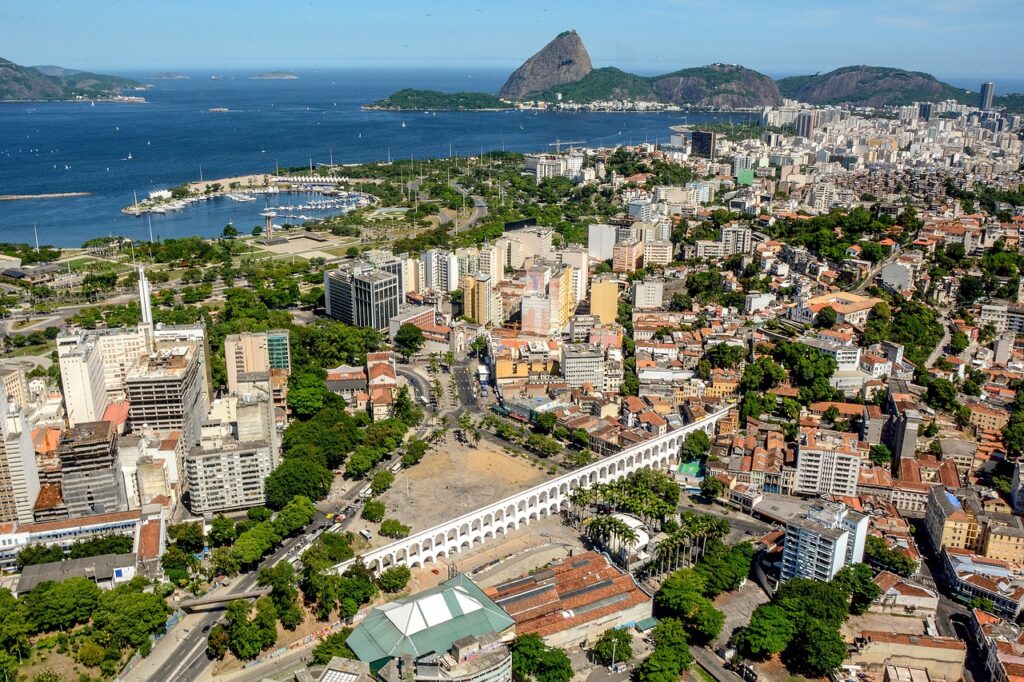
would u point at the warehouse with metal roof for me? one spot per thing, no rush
(428, 622)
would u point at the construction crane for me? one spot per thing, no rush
(557, 144)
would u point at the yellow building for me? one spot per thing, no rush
(604, 300)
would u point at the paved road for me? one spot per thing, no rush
(183, 650)
(941, 348)
(420, 384)
(713, 665)
(464, 380)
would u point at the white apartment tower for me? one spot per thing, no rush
(818, 545)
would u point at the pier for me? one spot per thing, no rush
(53, 195)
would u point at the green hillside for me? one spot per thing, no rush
(608, 83)
(411, 99)
(56, 83)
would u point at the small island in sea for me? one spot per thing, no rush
(421, 100)
(274, 76)
(170, 76)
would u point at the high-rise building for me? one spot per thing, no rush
(803, 125)
(703, 144)
(736, 239)
(577, 257)
(440, 271)
(362, 297)
(19, 472)
(988, 93)
(255, 352)
(657, 252)
(648, 294)
(90, 481)
(82, 378)
(229, 466)
(481, 299)
(819, 544)
(604, 299)
(165, 393)
(13, 387)
(627, 256)
(600, 241)
(826, 465)
(535, 315)
(583, 364)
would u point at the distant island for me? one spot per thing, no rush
(56, 83)
(274, 76)
(171, 76)
(423, 100)
(562, 72)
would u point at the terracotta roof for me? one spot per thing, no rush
(116, 413)
(149, 540)
(95, 520)
(914, 640)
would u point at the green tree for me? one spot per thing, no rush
(297, 477)
(958, 343)
(695, 446)
(711, 488)
(61, 606)
(768, 632)
(281, 579)
(374, 510)
(816, 649)
(222, 531)
(532, 659)
(333, 645)
(394, 579)
(544, 423)
(877, 552)
(382, 480)
(857, 580)
(880, 454)
(409, 340)
(826, 318)
(188, 536)
(392, 528)
(126, 616)
(614, 646)
(218, 641)
(33, 555)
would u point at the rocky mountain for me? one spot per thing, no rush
(718, 85)
(563, 60)
(873, 86)
(56, 83)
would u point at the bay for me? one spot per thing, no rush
(171, 139)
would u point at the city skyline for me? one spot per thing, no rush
(789, 38)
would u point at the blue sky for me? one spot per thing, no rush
(951, 38)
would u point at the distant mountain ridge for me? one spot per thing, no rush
(57, 83)
(873, 86)
(562, 71)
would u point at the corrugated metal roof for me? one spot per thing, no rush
(428, 621)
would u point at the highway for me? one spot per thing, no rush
(183, 650)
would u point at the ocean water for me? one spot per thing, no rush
(72, 147)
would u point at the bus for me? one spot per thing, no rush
(423, 399)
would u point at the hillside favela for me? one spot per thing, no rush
(341, 344)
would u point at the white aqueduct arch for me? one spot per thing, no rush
(548, 498)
